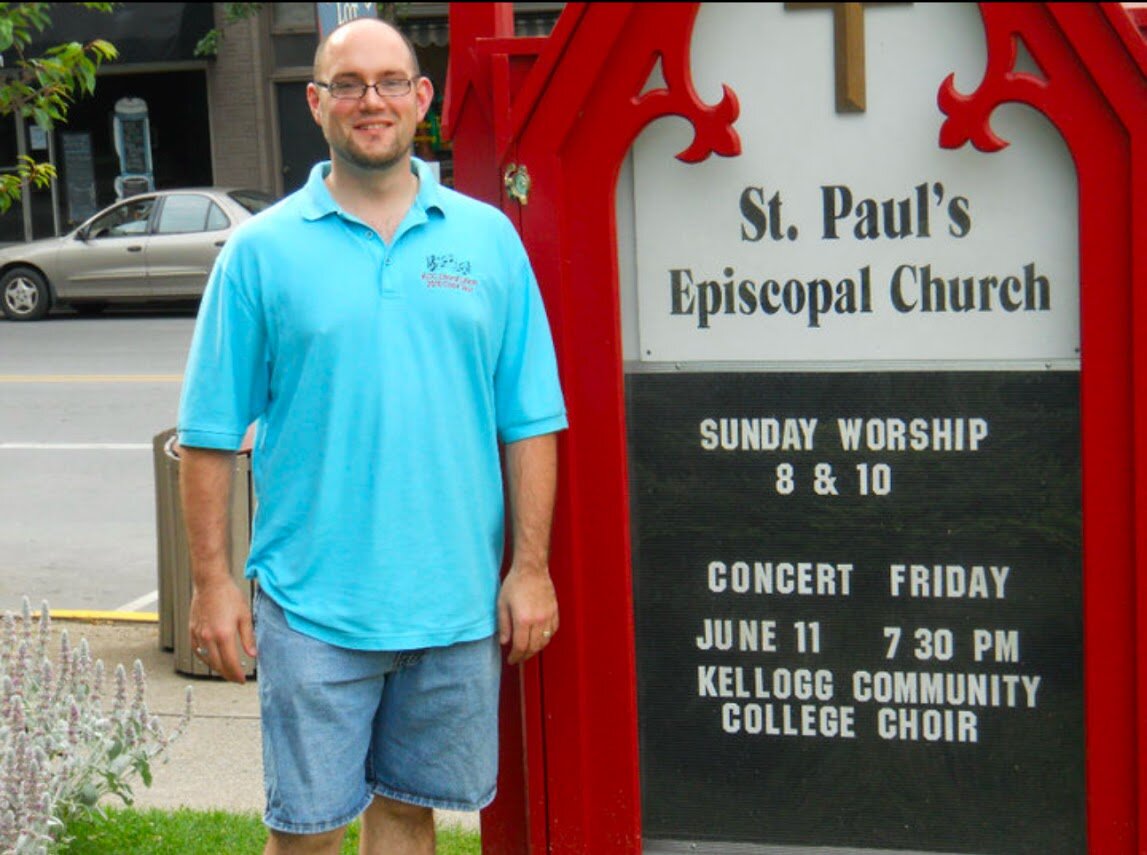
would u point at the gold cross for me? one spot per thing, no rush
(848, 49)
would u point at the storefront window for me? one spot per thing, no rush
(293, 17)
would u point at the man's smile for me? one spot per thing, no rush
(373, 125)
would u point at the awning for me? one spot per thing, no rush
(427, 32)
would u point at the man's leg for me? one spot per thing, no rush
(436, 735)
(327, 843)
(396, 828)
(316, 704)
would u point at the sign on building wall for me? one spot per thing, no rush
(854, 450)
(79, 175)
(332, 15)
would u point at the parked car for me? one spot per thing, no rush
(147, 248)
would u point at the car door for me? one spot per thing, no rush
(190, 230)
(108, 258)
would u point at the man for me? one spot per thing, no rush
(385, 334)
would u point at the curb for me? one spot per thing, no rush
(102, 617)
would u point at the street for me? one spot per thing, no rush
(81, 399)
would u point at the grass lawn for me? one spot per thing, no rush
(193, 832)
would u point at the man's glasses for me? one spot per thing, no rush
(388, 87)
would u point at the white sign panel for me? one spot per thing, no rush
(852, 236)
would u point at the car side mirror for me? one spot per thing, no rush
(82, 234)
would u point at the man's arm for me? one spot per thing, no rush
(220, 618)
(527, 604)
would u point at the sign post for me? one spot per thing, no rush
(847, 546)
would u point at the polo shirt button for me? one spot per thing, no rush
(388, 261)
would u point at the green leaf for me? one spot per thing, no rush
(42, 87)
(103, 49)
(41, 174)
(6, 34)
(209, 44)
(87, 74)
(35, 15)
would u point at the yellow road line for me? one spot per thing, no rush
(122, 617)
(91, 378)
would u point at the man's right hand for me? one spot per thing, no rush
(220, 624)
(220, 617)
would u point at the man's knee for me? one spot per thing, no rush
(389, 826)
(390, 809)
(325, 843)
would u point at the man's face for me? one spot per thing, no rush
(372, 132)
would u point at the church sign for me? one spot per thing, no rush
(854, 450)
(846, 545)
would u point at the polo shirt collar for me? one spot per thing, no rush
(318, 202)
(430, 195)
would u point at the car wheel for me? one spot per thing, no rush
(24, 294)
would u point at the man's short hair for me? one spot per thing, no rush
(320, 51)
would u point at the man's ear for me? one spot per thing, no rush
(313, 103)
(424, 91)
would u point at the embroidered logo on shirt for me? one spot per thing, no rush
(448, 271)
(447, 264)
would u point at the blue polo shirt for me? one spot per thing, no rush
(382, 379)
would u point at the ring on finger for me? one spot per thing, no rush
(201, 652)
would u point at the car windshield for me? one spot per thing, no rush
(252, 200)
(129, 218)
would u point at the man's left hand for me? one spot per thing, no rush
(527, 612)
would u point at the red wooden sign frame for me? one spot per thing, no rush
(568, 107)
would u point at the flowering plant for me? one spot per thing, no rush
(63, 744)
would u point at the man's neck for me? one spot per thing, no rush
(379, 197)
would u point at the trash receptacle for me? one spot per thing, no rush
(166, 498)
(174, 558)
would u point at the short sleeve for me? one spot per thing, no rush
(527, 390)
(226, 382)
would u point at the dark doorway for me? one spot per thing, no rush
(180, 133)
(180, 142)
(301, 143)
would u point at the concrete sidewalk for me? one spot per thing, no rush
(217, 763)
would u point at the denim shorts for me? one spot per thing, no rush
(341, 726)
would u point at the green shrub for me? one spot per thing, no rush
(63, 744)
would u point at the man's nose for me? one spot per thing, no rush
(373, 95)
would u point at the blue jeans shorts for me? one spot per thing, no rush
(341, 726)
